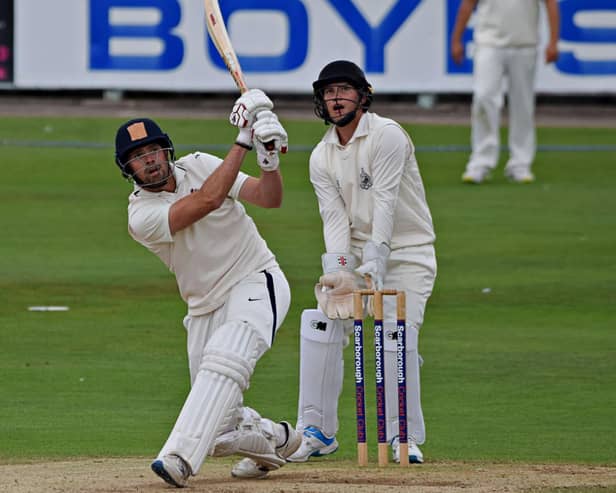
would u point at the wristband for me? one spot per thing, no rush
(332, 262)
(245, 146)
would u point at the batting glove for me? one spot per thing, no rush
(374, 264)
(269, 138)
(244, 113)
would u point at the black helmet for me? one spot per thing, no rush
(340, 71)
(135, 133)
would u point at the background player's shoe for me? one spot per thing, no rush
(172, 469)
(314, 444)
(519, 175)
(251, 468)
(475, 176)
(415, 455)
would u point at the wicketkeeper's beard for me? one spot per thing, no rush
(347, 118)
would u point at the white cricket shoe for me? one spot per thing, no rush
(252, 468)
(415, 455)
(518, 175)
(172, 469)
(475, 176)
(314, 444)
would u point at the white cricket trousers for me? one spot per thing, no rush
(414, 270)
(492, 67)
(271, 298)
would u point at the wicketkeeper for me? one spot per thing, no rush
(376, 223)
(188, 213)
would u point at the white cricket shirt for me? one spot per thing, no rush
(210, 256)
(507, 23)
(371, 188)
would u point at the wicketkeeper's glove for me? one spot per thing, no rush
(334, 291)
(374, 264)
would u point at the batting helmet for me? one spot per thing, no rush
(136, 133)
(340, 71)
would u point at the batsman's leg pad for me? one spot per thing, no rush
(321, 371)
(227, 443)
(416, 425)
(257, 438)
(229, 359)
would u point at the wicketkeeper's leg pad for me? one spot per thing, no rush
(321, 371)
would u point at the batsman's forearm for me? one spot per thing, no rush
(210, 196)
(269, 191)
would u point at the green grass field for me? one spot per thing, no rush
(524, 372)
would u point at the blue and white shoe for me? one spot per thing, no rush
(415, 455)
(314, 444)
(172, 469)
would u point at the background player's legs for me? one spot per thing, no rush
(485, 113)
(521, 98)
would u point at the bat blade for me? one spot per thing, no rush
(220, 38)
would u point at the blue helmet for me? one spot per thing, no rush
(136, 133)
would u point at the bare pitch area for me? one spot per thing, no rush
(134, 475)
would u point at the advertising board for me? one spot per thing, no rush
(403, 45)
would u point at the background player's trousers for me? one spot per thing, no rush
(493, 68)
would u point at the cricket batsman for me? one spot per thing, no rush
(188, 212)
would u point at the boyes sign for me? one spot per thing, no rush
(373, 38)
(573, 30)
